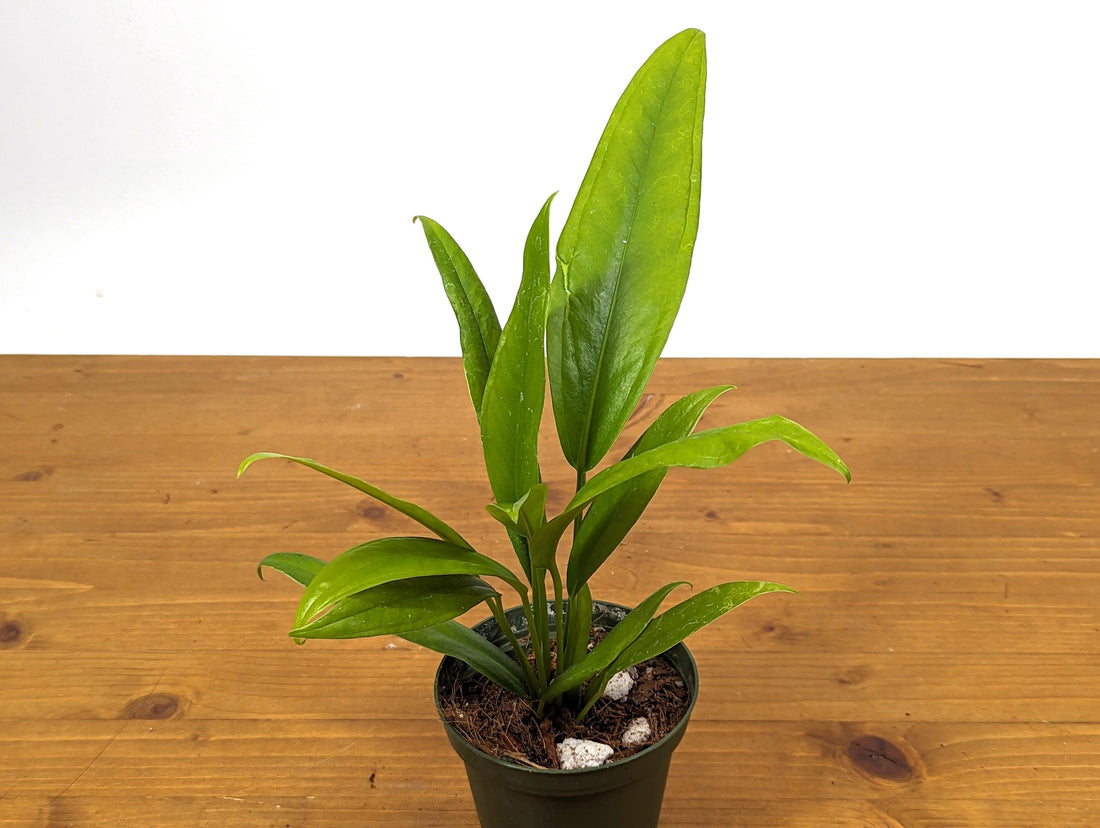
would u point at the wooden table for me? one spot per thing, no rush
(939, 666)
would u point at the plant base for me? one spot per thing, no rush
(628, 792)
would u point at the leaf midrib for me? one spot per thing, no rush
(587, 427)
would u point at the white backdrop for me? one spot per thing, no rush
(880, 179)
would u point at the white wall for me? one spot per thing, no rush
(880, 179)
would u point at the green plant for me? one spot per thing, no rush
(622, 265)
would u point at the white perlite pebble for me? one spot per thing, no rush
(618, 688)
(637, 733)
(581, 753)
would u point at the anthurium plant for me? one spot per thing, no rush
(593, 333)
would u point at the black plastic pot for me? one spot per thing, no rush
(627, 792)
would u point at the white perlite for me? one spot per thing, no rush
(637, 733)
(581, 753)
(619, 687)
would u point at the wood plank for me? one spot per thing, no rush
(949, 598)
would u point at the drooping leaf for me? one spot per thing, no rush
(612, 516)
(677, 623)
(399, 607)
(453, 639)
(705, 450)
(617, 639)
(417, 513)
(383, 560)
(478, 326)
(296, 566)
(711, 449)
(625, 250)
(511, 409)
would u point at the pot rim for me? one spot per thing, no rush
(690, 674)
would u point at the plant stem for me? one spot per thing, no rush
(540, 624)
(596, 685)
(562, 626)
(518, 652)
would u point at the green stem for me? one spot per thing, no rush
(596, 685)
(518, 652)
(562, 626)
(540, 624)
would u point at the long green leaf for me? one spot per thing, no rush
(705, 450)
(612, 516)
(296, 566)
(417, 513)
(709, 450)
(478, 326)
(399, 607)
(383, 560)
(625, 250)
(511, 410)
(453, 639)
(617, 639)
(675, 624)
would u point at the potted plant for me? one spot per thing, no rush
(593, 333)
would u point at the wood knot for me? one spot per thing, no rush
(369, 510)
(11, 634)
(153, 706)
(877, 757)
(853, 676)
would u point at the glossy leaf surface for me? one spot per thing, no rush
(383, 560)
(674, 625)
(625, 250)
(711, 449)
(453, 639)
(398, 607)
(478, 326)
(417, 513)
(296, 566)
(612, 516)
(511, 410)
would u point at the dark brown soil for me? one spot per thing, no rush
(505, 726)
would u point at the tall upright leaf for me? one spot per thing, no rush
(625, 250)
(478, 326)
(511, 409)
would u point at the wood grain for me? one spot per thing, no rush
(940, 665)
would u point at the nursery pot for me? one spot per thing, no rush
(627, 792)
